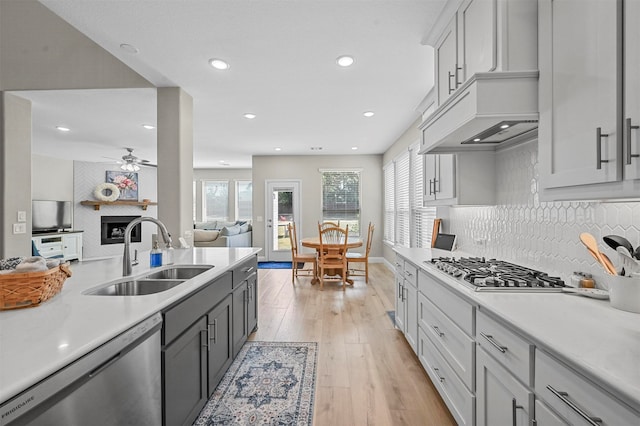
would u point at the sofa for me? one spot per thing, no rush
(222, 234)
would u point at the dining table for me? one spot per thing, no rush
(314, 243)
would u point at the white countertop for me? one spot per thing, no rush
(589, 334)
(35, 342)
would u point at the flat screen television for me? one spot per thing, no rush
(50, 216)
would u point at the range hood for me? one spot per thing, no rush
(490, 110)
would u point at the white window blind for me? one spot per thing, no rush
(389, 203)
(341, 198)
(244, 199)
(422, 223)
(216, 200)
(403, 200)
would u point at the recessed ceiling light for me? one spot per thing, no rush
(476, 140)
(129, 48)
(63, 129)
(504, 126)
(345, 61)
(278, 149)
(219, 64)
(249, 115)
(354, 148)
(369, 114)
(148, 126)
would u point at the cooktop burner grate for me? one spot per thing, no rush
(497, 275)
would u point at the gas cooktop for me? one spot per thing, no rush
(480, 274)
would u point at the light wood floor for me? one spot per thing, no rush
(367, 373)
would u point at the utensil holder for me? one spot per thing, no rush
(624, 292)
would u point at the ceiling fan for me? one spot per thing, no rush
(131, 163)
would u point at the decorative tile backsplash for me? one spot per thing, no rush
(542, 235)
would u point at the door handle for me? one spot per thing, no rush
(628, 127)
(451, 75)
(564, 397)
(599, 136)
(514, 409)
(458, 83)
(493, 342)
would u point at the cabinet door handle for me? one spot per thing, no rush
(491, 340)
(564, 397)
(440, 333)
(514, 409)
(599, 136)
(436, 189)
(437, 371)
(247, 270)
(431, 192)
(451, 75)
(628, 127)
(404, 293)
(206, 341)
(458, 83)
(215, 330)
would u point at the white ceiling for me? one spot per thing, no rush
(283, 69)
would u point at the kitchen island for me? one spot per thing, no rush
(516, 357)
(37, 342)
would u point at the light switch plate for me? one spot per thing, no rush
(19, 228)
(22, 216)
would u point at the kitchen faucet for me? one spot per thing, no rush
(126, 258)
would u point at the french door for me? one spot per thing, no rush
(283, 207)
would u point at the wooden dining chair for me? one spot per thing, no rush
(328, 224)
(332, 253)
(354, 257)
(297, 257)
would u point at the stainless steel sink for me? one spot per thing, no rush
(150, 283)
(179, 272)
(138, 287)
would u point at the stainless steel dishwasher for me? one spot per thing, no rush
(116, 384)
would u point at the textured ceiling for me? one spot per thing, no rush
(283, 69)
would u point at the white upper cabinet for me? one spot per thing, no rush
(486, 75)
(632, 89)
(465, 46)
(439, 177)
(586, 144)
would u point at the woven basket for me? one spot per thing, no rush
(29, 289)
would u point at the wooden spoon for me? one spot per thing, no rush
(590, 242)
(609, 265)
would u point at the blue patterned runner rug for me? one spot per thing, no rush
(270, 383)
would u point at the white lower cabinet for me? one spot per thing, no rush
(501, 398)
(459, 400)
(577, 399)
(407, 301)
(546, 417)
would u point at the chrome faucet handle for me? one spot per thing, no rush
(134, 262)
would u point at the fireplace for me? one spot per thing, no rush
(112, 229)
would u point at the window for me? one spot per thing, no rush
(422, 216)
(389, 203)
(406, 222)
(216, 200)
(244, 199)
(341, 198)
(403, 200)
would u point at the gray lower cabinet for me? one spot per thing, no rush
(220, 347)
(201, 336)
(184, 372)
(240, 317)
(245, 302)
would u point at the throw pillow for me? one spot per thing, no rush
(206, 225)
(230, 230)
(204, 235)
(222, 224)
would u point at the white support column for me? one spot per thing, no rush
(175, 160)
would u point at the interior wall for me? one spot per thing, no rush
(43, 168)
(542, 235)
(231, 175)
(86, 176)
(15, 150)
(306, 169)
(39, 50)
